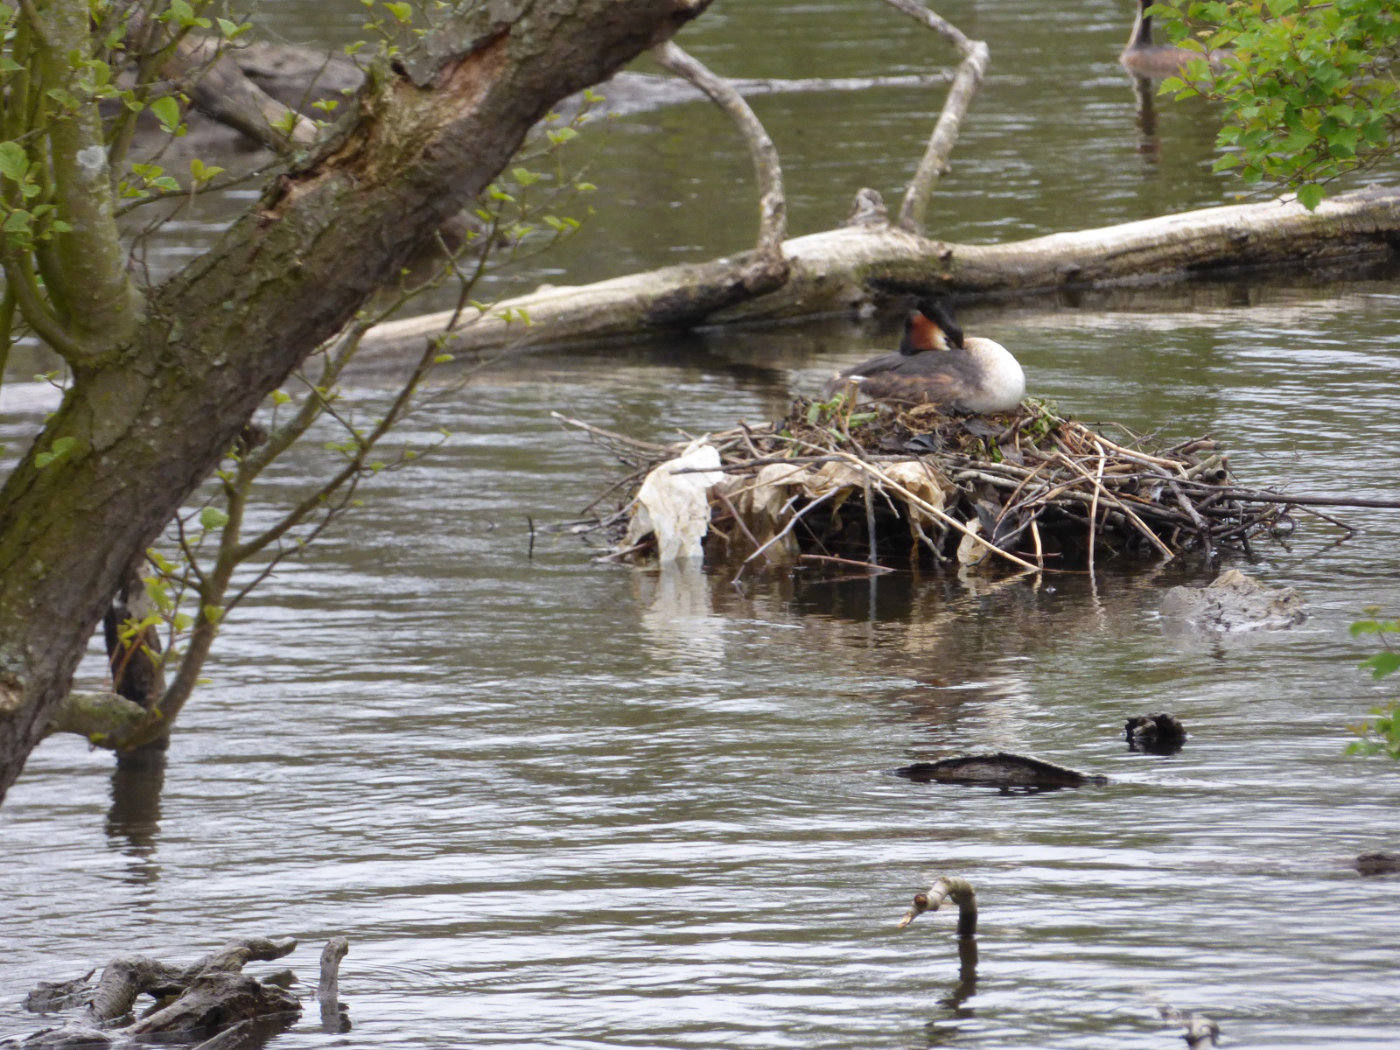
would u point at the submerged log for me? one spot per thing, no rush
(1233, 602)
(844, 268)
(999, 769)
(1378, 863)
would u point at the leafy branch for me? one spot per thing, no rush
(1382, 735)
(1309, 87)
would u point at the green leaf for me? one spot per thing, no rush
(1310, 196)
(13, 162)
(166, 110)
(201, 172)
(403, 13)
(1382, 663)
(213, 518)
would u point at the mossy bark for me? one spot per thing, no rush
(150, 416)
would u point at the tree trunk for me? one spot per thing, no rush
(841, 268)
(146, 420)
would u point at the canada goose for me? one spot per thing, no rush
(1146, 59)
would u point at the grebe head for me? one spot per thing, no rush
(929, 326)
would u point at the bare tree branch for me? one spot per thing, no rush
(772, 206)
(220, 90)
(945, 133)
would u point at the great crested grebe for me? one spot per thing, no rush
(1146, 59)
(937, 365)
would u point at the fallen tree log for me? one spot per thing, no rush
(843, 268)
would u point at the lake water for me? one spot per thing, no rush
(557, 803)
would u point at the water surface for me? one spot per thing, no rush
(557, 803)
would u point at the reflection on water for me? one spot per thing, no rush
(553, 802)
(133, 821)
(677, 616)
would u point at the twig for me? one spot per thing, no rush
(1094, 508)
(1249, 496)
(880, 569)
(797, 516)
(738, 519)
(646, 446)
(870, 519)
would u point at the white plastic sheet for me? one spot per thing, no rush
(676, 507)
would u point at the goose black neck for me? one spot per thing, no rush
(1142, 27)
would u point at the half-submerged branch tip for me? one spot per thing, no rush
(945, 888)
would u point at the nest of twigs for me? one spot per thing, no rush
(892, 488)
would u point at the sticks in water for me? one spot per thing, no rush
(1031, 489)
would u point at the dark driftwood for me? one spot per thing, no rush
(210, 1002)
(1377, 863)
(998, 769)
(1159, 734)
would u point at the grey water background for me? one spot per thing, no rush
(556, 803)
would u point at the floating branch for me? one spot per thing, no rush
(210, 1002)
